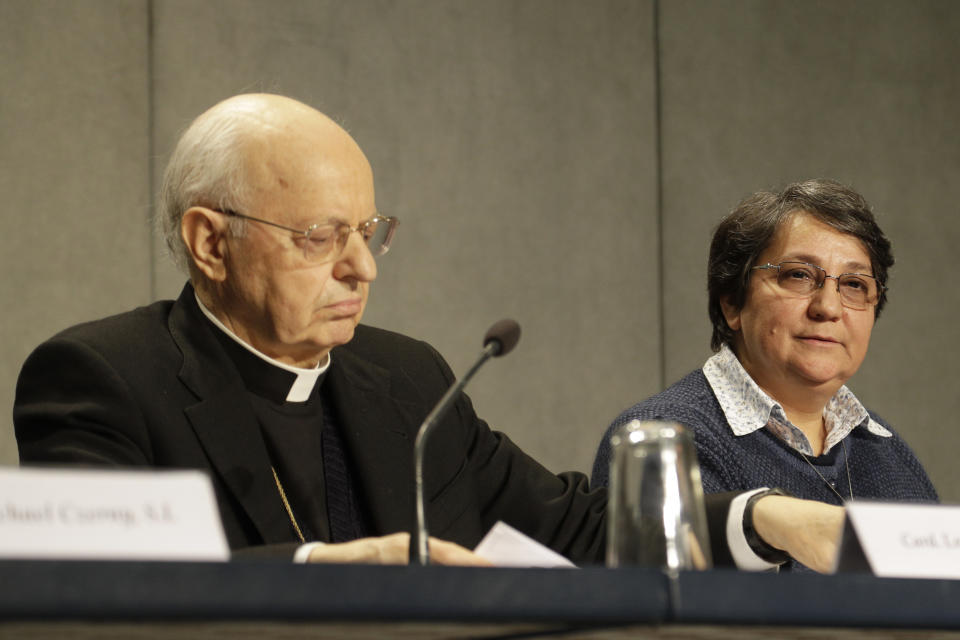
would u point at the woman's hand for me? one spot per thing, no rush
(806, 529)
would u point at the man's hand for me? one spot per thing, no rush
(394, 549)
(806, 529)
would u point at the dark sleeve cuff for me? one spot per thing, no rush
(717, 506)
(278, 552)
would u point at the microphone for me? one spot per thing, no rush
(499, 340)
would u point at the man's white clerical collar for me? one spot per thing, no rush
(306, 379)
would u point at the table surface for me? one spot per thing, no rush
(118, 592)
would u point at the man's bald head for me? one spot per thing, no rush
(255, 188)
(236, 152)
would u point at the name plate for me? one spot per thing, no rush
(899, 540)
(115, 515)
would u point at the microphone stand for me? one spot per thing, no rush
(500, 340)
(419, 549)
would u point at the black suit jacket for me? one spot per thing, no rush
(154, 388)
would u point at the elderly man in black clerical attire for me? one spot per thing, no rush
(261, 375)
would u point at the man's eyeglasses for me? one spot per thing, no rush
(325, 242)
(857, 290)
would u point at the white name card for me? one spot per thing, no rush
(908, 540)
(100, 514)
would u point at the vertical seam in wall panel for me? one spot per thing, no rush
(658, 127)
(151, 153)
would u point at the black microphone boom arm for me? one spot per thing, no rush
(500, 339)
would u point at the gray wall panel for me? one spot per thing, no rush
(515, 141)
(73, 172)
(757, 94)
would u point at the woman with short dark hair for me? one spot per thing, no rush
(796, 280)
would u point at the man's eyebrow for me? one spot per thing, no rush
(321, 220)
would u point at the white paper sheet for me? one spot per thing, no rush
(504, 546)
